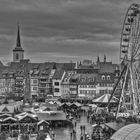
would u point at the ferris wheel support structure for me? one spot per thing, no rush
(122, 94)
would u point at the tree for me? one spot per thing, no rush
(2, 136)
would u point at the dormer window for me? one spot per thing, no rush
(10, 75)
(108, 77)
(103, 77)
(4, 75)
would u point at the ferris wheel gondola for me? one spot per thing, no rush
(129, 60)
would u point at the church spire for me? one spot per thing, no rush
(18, 52)
(104, 58)
(18, 37)
(98, 60)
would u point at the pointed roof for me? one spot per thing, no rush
(10, 118)
(104, 58)
(43, 121)
(5, 110)
(54, 66)
(1, 64)
(18, 37)
(98, 59)
(18, 42)
(21, 117)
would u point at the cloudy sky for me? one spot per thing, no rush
(62, 30)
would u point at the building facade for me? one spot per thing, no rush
(34, 76)
(57, 81)
(84, 79)
(87, 85)
(7, 81)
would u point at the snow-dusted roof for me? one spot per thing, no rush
(128, 132)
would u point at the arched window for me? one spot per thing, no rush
(17, 57)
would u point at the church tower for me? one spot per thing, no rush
(18, 52)
(104, 58)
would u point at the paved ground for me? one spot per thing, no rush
(64, 133)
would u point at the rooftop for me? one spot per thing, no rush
(128, 132)
(58, 74)
(107, 67)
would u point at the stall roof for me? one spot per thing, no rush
(77, 104)
(24, 114)
(128, 132)
(105, 98)
(114, 125)
(27, 115)
(40, 122)
(51, 115)
(10, 118)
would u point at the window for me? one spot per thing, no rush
(34, 88)
(47, 85)
(117, 74)
(56, 83)
(11, 75)
(108, 77)
(82, 92)
(17, 57)
(103, 91)
(82, 80)
(34, 81)
(43, 80)
(42, 91)
(56, 89)
(90, 80)
(42, 85)
(93, 86)
(103, 77)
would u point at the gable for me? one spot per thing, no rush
(5, 110)
(27, 119)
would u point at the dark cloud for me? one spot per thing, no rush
(63, 27)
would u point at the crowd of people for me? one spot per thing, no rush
(97, 118)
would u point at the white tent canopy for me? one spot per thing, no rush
(105, 98)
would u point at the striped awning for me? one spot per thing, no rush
(105, 98)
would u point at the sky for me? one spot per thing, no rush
(63, 30)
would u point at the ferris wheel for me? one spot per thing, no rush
(129, 60)
(130, 36)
